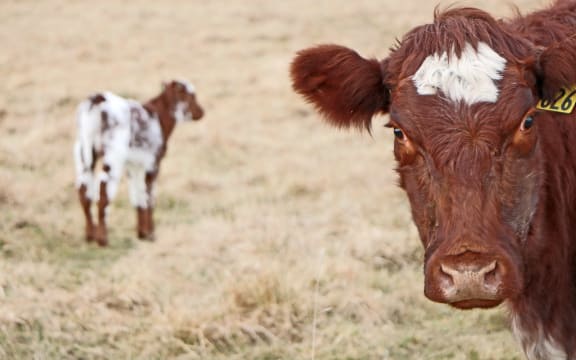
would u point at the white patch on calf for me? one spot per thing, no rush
(123, 139)
(84, 175)
(471, 77)
(137, 184)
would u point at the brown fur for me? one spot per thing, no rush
(96, 99)
(345, 87)
(483, 189)
(145, 221)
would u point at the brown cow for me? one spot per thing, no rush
(131, 135)
(491, 180)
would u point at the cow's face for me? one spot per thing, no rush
(183, 97)
(466, 145)
(471, 170)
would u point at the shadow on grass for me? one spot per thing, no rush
(31, 241)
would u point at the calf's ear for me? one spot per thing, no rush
(555, 68)
(343, 86)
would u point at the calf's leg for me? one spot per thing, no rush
(109, 179)
(86, 203)
(149, 218)
(141, 198)
(101, 232)
(85, 184)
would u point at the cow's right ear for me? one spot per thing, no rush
(343, 86)
(555, 68)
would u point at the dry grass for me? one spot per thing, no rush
(278, 237)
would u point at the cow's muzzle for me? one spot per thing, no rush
(467, 280)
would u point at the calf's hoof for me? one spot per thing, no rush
(146, 236)
(101, 237)
(90, 236)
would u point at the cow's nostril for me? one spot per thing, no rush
(492, 278)
(488, 268)
(445, 278)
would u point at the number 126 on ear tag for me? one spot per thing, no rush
(562, 102)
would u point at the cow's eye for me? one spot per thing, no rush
(527, 123)
(399, 134)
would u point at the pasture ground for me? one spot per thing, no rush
(277, 236)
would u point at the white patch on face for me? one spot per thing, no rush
(181, 112)
(471, 77)
(189, 87)
(537, 346)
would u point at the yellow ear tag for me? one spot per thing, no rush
(563, 101)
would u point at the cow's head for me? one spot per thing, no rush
(182, 97)
(461, 96)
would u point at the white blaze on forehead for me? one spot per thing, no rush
(189, 87)
(471, 77)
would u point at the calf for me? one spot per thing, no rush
(126, 134)
(491, 179)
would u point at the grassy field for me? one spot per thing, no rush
(277, 236)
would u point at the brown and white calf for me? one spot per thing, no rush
(129, 135)
(491, 180)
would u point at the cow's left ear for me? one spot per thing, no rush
(555, 68)
(345, 87)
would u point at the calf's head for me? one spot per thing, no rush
(182, 97)
(461, 96)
